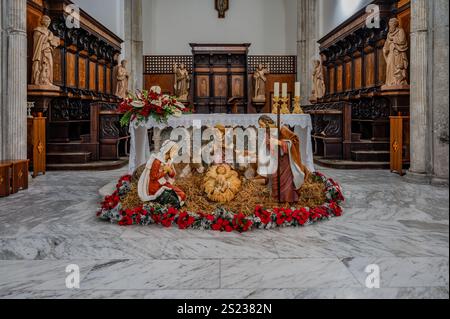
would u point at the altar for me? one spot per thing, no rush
(140, 146)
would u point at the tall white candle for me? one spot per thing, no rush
(285, 89)
(276, 89)
(297, 89)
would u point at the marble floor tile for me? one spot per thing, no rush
(154, 274)
(403, 272)
(286, 273)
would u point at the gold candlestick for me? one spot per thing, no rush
(297, 108)
(285, 106)
(276, 105)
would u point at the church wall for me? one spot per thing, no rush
(333, 12)
(108, 12)
(3, 76)
(269, 25)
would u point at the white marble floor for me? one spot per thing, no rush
(402, 228)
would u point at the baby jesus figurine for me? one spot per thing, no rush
(156, 182)
(221, 183)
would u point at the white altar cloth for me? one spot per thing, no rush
(140, 148)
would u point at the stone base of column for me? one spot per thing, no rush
(440, 182)
(417, 178)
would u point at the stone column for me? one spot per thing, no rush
(429, 92)
(2, 76)
(307, 30)
(134, 47)
(14, 112)
(419, 79)
(440, 91)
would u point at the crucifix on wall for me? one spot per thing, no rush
(222, 7)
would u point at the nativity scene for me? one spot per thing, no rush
(224, 149)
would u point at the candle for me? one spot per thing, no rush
(276, 89)
(285, 89)
(297, 89)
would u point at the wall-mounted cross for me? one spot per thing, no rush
(222, 7)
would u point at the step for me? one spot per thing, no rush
(350, 165)
(371, 156)
(69, 158)
(72, 147)
(367, 145)
(91, 166)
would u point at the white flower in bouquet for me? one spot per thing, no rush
(138, 104)
(156, 89)
(177, 112)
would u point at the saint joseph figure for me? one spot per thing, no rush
(44, 42)
(182, 79)
(395, 53)
(292, 173)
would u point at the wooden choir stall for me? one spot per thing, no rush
(351, 115)
(78, 97)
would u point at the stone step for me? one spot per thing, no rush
(69, 158)
(371, 156)
(367, 145)
(91, 166)
(351, 165)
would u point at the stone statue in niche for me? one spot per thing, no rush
(182, 82)
(260, 80)
(122, 78)
(396, 55)
(44, 43)
(318, 80)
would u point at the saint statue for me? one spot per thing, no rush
(319, 89)
(44, 42)
(182, 82)
(122, 78)
(156, 182)
(396, 55)
(292, 172)
(260, 79)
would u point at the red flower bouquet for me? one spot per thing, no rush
(153, 103)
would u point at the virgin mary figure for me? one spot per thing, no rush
(156, 181)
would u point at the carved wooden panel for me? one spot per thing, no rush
(82, 74)
(238, 85)
(339, 78)
(92, 76)
(203, 86)
(108, 80)
(358, 73)
(348, 76)
(70, 69)
(220, 86)
(101, 78)
(369, 68)
(332, 80)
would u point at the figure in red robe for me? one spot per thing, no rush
(156, 182)
(292, 173)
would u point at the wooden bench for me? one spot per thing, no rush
(13, 176)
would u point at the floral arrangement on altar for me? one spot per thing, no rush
(221, 219)
(145, 104)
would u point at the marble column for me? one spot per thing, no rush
(420, 155)
(133, 46)
(440, 91)
(14, 112)
(307, 34)
(3, 76)
(429, 92)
